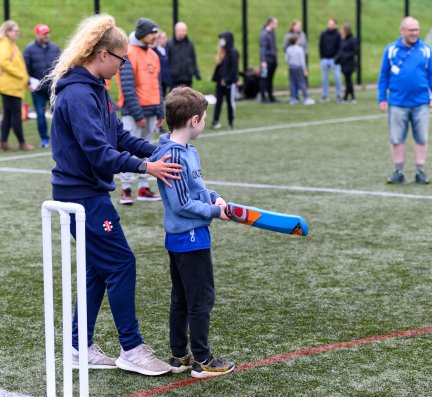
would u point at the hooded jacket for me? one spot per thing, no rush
(409, 82)
(188, 204)
(89, 143)
(227, 70)
(139, 82)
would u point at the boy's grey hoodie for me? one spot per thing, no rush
(295, 57)
(188, 204)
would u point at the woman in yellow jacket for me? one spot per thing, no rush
(13, 84)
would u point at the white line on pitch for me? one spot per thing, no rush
(25, 156)
(243, 131)
(264, 186)
(320, 190)
(5, 393)
(294, 125)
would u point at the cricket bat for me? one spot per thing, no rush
(274, 221)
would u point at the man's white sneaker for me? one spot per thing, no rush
(309, 101)
(142, 359)
(97, 359)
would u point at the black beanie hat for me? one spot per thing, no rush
(144, 27)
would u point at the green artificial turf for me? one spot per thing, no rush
(364, 269)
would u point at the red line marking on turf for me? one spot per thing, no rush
(285, 356)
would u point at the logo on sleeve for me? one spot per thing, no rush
(111, 107)
(107, 225)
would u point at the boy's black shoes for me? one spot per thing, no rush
(211, 367)
(181, 364)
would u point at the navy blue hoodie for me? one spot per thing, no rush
(89, 143)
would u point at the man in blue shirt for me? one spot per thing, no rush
(40, 56)
(406, 72)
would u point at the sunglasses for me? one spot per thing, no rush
(122, 60)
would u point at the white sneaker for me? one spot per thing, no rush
(142, 359)
(309, 101)
(97, 359)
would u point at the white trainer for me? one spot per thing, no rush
(97, 359)
(309, 101)
(142, 359)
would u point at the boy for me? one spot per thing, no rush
(189, 210)
(296, 59)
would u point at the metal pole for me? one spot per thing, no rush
(305, 17)
(6, 8)
(96, 6)
(175, 12)
(407, 11)
(359, 41)
(245, 34)
(305, 23)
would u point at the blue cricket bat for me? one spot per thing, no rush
(274, 221)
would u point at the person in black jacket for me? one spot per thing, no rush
(268, 59)
(181, 57)
(329, 47)
(347, 59)
(39, 57)
(226, 78)
(161, 50)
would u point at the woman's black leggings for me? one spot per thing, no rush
(11, 118)
(349, 87)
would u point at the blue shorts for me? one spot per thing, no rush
(399, 119)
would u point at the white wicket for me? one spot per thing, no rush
(64, 210)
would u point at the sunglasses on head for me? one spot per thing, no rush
(122, 60)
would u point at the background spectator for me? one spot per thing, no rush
(181, 57)
(329, 45)
(295, 30)
(140, 100)
(161, 50)
(268, 59)
(297, 70)
(13, 85)
(347, 59)
(406, 72)
(39, 57)
(226, 78)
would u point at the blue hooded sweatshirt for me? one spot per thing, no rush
(406, 72)
(188, 204)
(89, 143)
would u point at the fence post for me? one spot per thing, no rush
(175, 12)
(245, 34)
(305, 24)
(6, 8)
(359, 41)
(407, 8)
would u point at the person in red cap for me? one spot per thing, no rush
(40, 56)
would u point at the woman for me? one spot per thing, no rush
(89, 146)
(295, 30)
(347, 59)
(226, 77)
(13, 84)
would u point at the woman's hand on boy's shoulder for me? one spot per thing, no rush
(162, 170)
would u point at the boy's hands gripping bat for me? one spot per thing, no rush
(274, 221)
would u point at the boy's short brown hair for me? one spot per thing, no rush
(181, 104)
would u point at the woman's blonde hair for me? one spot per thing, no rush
(7, 26)
(94, 34)
(220, 56)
